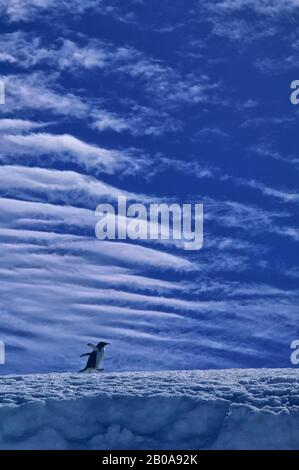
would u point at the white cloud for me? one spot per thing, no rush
(91, 248)
(5, 57)
(267, 151)
(264, 7)
(283, 195)
(26, 10)
(35, 93)
(109, 121)
(19, 125)
(290, 232)
(139, 120)
(162, 82)
(72, 149)
(263, 21)
(49, 185)
(38, 93)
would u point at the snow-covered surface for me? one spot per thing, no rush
(230, 409)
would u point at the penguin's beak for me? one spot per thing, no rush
(107, 344)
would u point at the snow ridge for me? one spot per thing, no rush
(228, 409)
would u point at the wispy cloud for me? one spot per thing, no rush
(38, 93)
(72, 149)
(27, 10)
(132, 255)
(54, 186)
(230, 18)
(33, 92)
(94, 112)
(19, 125)
(267, 151)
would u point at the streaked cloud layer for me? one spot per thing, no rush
(169, 102)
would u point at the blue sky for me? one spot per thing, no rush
(160, 101)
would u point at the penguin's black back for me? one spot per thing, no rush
(92, 360)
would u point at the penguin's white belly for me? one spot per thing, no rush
(100, 358)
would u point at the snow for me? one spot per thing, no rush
(228, 409)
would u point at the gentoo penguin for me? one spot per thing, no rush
(95, 358)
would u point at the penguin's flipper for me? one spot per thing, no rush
(86, 354)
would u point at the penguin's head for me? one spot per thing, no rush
(102, 344)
